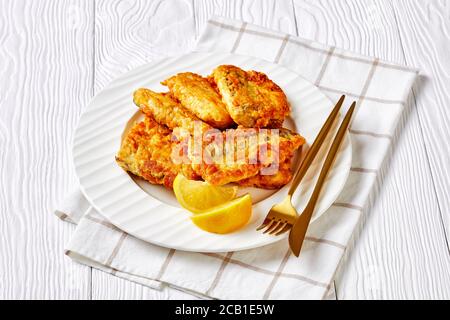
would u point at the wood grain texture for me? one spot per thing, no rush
(45, 63)
(277, 15)
(131, 33)
(424, 27)
(399, 250)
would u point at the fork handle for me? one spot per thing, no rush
(312, 152)
(298, 231)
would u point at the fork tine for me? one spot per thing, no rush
(270, 225)
(265, 224)
(274, 231)
(273, 227)
(286, 228)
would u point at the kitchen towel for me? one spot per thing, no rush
(272, 272)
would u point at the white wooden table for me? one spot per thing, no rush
(55, 55)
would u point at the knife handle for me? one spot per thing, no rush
(315, 147)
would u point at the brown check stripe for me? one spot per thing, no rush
(119, 242)
(348, 206)
(225, 260)
(111, 226)
(306, 45)
(216, 280)
(239, 37)
(324, 66)
(268, 272)
(358, 96)
(165, 264)
(363, 170)
(277, 275)
(63, 216)
(329, 242)
(116, 249)
(282, 47)
(371, 134)
(362, 96)
(102, 222)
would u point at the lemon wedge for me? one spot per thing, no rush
(199, 196)
(227, 217)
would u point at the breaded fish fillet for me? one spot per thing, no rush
(166, 110)
(248, 158)
(146, 152)
(272, 181)
(251, 98)
(199, 95)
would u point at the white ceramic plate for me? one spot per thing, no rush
(150, 212)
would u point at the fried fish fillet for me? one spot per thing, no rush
(166, 110)
(146, 152)
(251, 98)
(271, 181)
(199, 95)
(248, 157)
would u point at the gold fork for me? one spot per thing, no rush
(282, 216)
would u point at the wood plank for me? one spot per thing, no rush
(130, 33)
(425, 33)
(277, 15)
(399, 250)
(46, 66)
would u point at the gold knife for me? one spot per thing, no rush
(298, 231)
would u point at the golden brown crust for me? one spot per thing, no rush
(166, 110)
(148, 148)
(146, 152)
(197, 95)
(271, 181)
(251, 98)
(280, 173)
(219, 170)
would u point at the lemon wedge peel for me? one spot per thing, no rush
(199, 196)
(227, 217)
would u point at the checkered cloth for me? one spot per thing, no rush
(268, 272)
